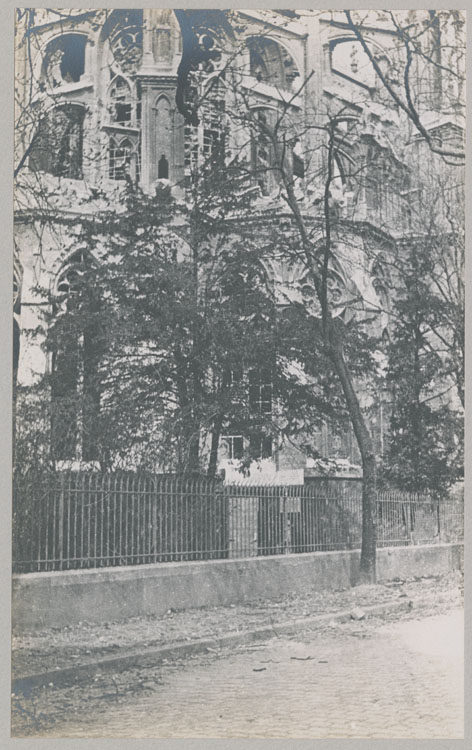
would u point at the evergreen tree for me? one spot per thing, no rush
(179, 339)
(424, 446)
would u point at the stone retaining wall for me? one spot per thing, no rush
(43, 600)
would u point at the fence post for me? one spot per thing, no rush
(60, 540)
(287, 535)
(154, 518)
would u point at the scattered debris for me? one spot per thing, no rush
(357, 614)
(302, 658)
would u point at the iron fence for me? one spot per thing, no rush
(90, 520)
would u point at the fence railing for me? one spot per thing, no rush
(90, 520)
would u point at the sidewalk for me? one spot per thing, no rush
(73, 650)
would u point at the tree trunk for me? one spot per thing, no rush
(333, 339)
(218, 426)
(194, 454)
(367, 571)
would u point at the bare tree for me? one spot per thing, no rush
(431, 46)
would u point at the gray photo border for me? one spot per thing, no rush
(6, 220)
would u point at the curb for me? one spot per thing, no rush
(67, 675)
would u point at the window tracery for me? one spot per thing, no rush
(126, 39)
(338, 294)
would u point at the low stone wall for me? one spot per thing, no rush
(43, 600)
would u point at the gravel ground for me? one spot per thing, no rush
(58, 648)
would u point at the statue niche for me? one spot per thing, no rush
(161, 24)
(162, 137)
(161, 45)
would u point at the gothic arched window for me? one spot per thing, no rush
(124, 29)
(76, 345)
(58, 142)
(263, 152)
(120, 102)
(270, 63)
(64, 61)
(120, 156)
(205, 142)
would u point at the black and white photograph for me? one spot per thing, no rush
(238, 373)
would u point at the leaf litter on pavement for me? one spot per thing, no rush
(49, 650)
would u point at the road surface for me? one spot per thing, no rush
(360, 679)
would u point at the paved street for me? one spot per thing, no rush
(359, 679)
